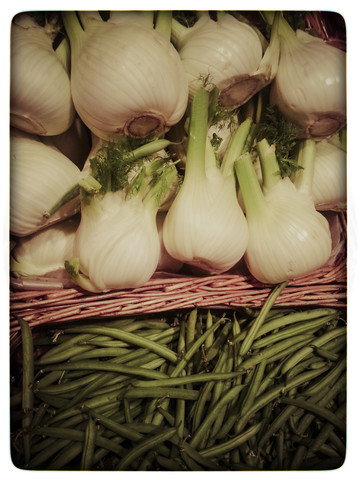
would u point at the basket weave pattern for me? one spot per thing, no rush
(326, 287)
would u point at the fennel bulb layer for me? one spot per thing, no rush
(40, 176)
(117, 242)
(126, 79)
(45, 251)
(287, 236)
(40, 94)
(310, 85)
(329, 180)
(205, 226)
(227, 53)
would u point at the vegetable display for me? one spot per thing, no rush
(168, 118)
(154, 157)
(203, 390)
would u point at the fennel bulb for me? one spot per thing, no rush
(229, 54)
(44, 252)
(166, 262)
(310, 85)
(117, 244)
(323, 173)
(40, 177)
(40, 95)
(329, 182)
(126, 79)
(205, 226)
(287, 236)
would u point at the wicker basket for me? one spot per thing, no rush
(326, 286)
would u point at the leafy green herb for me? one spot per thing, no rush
(113, 163)
(281, 132)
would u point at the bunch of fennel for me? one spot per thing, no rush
(126, 77)
(205, 226)
(288, 237)
(231, 54)
(40, 97)
(117, 244)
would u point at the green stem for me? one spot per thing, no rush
(163, 23)
(72, 268)
(249, 185)
(269, 166)
(286, 31)
(64, 54)
(306, 159)
(71, 194)
(236, 147)
(195, 157)
(177, 31)
(74, 31)
(154, 197)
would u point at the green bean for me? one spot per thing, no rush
(220, 338)
(273, 394)
(325, 432)
(78, 436)
(47, 380)
(277, 350)
(64, 350)
(307, 350)
(251, 334)
(161, 392)
(210, 339)
(269, 378)
(317, 410)
(171, 464)
(132, 339)
(66, 455)
(231, 444)
(144, 446)
(47, 453)
(277, 424)
(53, 400)
(191, 464)
(206, 389)
(27, 384)
(89, 445)
(253, 387)
(326, 383)
(106, 366)
(322, 399)
(190, 332)
(194, 347)
(290, 349)
(328, 355)
(307, 327)
(67, 386)
(338, 444)
(39, 414)
(210, 418)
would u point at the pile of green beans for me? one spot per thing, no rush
(199, 390)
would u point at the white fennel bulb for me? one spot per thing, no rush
(310, 85)
(329, 181)
(40, 95)
(117, 244)
(287, 236)
(44, 252)
(205, 226)
(40, 179)
(126, 79)
(166, 262)
(229, 54)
